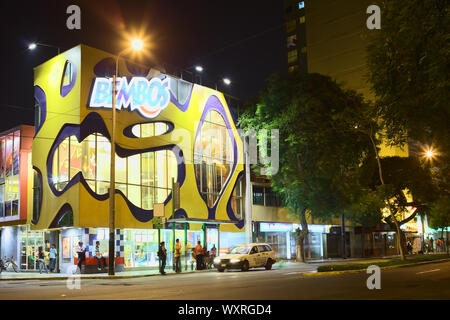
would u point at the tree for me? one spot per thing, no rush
(440, 216)
(404, 177)
(320, 153)
(409, 66)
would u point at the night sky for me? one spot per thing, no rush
(243, 40)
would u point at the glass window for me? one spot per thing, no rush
(213, 156)
(290, 26)
(67, 74)
(134, 169)
(258, 195)
(301, 4)
(103, 158)
(292, 56)
(88, 157)
(121, 169)
(75, 156)
(302, 19)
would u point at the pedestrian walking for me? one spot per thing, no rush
(99, 256)
(53, 254)
(41, 260)
(409, 247)
(81, 252)
(162, 254)
(212, 255)
(199, 256)
(431, 244)
(177, 255)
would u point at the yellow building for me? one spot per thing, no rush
(167, 130)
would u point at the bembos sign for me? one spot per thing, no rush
(148, 97)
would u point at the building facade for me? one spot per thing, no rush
(168, 132)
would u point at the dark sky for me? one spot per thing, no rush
(242, 40)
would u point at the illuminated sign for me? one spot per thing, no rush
(284, 227)
(148, 97)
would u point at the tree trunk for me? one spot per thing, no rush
(301, 236)
(399, 236)
(380, 172)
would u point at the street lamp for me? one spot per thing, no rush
(136, 45)
(199, 68)
(33, 46)
(430, 153)
(226, 81)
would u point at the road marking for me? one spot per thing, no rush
(428, 271)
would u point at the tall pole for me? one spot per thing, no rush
(343, 235)
(112, 208)
(248, 188)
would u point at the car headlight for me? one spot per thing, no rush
(235, 260)
(216, 260)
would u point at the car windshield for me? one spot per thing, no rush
(240, 250)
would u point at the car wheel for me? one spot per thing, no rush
(245, 266)
(221, 270)
(268, 265)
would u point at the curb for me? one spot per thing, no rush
(335, 273)
(103, 277)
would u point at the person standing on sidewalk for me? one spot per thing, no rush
(41, 261)
(177, 255)
(53, 254)
(81, 251)
(199, 255)
(162, 254)
(99, 256)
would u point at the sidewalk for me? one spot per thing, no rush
(7, 276)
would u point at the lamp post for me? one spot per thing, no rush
(136, 45)
(33, 46)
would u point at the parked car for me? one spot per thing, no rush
(246, 256)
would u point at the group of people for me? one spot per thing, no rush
(99, 255)
(52, 259)
(199, 254)
(430, 245)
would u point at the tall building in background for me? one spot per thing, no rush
(328, 37)
(295, 23)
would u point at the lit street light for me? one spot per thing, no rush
(227, 81)
(33, 46)
(199, 68)
(136, 45)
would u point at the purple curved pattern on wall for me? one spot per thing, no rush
(66, 89)
(93, 123)
(40, 96)
(230, 212)
(105, 68)
(179, 213)
(39, 174)
(129, 134)
(61, 212)
(182, 107)
(137, 70)
(213, 103)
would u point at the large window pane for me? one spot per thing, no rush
(75, 156)
(147, 198)
(134, 195)
(121, 169)
(63, 163)
(88, 160)
(161, 169)
(103, 159)
(134, 169)
(148, 169)
(161, 195)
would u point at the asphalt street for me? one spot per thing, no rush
(429, 281)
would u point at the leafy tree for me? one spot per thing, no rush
(440, 216)
(402, 176)
(409, 67)
(320, 152)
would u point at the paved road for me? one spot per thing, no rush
(430, 281)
